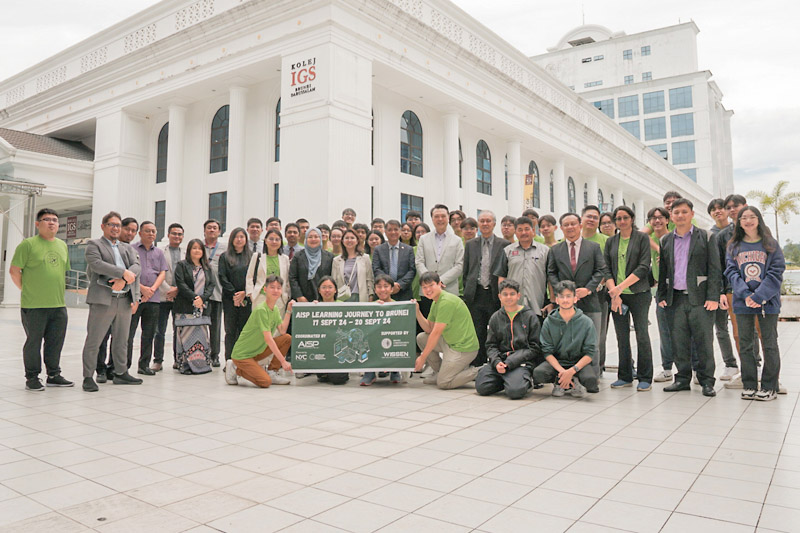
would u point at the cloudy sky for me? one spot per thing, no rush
(748, 47)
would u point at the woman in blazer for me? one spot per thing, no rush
(353, 268)
(194, 279)
(308, 266)
(271, 262)
(627, 255)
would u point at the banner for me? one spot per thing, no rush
(353, 337)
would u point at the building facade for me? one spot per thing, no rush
(233, 108)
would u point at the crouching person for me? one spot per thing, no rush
(447, 330)
(568, 341)
(257, 355)
(512, 346)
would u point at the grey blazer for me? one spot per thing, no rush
(451, 262)
(100, 268)
(169, 279)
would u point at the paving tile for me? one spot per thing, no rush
(626, 516)
(460, 510)
(359, 516)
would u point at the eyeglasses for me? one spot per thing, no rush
(114, 226)
(657, 218)
(622, 219)
(607, 223)
(49, 219)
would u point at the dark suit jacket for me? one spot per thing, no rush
(184, 280)
(472, 266)
(298, 275)
(703, 271)
(406, 267)
(589, 274)
(101, 268)
(637, 259)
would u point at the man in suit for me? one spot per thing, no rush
(480, 284)
(441, 250)
(689, 287)
(112, 267)
(173, 253)
(581, 261)
(396, 260)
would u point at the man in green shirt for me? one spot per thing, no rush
(38, 269)
(448, 330)
(257, 355)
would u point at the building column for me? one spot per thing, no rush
(593, 187)
(619, 195)
(175, 149)
(450, 160)
(516, 182)
(236, 157)
(559, 189)
(16, 226)
(641, 214)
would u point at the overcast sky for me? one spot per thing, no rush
(749, 48)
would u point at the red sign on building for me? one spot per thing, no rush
(72, 227)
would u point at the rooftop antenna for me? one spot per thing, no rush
(583, 14)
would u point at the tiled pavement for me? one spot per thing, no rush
(188, 453)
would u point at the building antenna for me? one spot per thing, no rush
(583, 15)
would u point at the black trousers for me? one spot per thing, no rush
(691, 325)
(164, 311)
(235, 319)
(749, 356)
(639, 305)
(48, 325)
(481, 310)
(215, 311)
(147, 313)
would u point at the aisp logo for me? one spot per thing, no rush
(308, 344)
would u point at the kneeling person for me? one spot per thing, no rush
(447, 330)
(257, 355)
(512, 346)
(568, 341)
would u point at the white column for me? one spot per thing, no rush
(236, 157)
(16, 223)
(559, 189)
(175, 149)
(619, 195)
(450, 160)
(641, 214)
(516, 182)
(592, 181)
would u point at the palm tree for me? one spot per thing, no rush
(779, 202)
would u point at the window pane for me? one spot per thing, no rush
(680, 98)
(655, 128)
(161, 212)
(628, 106)
(217, 208)
(691, 172)
(606, 106)
(161, 160)
(219, 141)
(632, 128)
(483, 160)
(653, 102)
(660, 149)
(683, 152)
(410, 144)
(682, 124)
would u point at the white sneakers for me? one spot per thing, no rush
(729, 373)
(664, 375)
(230, 373)
(277, 379)
(735, 383)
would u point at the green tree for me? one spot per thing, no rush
(791, 251)
(779, 202)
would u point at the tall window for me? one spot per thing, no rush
(683, 152)
(483, 161)
(506, 162)
(276, 199)
(552, 194)
(655, 128)
(585, 194)
(410, 144)
(161, 160)
(653, 102)
(278, 131)
(606, 106)
(409, 202)
(160, 219)
(218, 208)
(600, 198)
(571, 202)
(533, 170)
(632, 128)
(628, 106)
(219, 141)
(460, 163)
(680, 97)
(682, 124)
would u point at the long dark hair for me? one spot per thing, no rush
(630, 213)
(203, 259)
(358, 244)
(412, 240)
(367, 248)
(276, 232)
(233, 257)
(767, 240)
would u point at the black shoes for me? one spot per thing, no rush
(58, 381)
(102, 378)
(215, 361)
(89, 385)
(146, 371)
(709, 391)
(126, 379)
(677, 386)
(34, 385)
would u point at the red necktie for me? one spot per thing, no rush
(573, 261)
(291, 253)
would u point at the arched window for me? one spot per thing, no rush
(219, 140)
(410, 144)
(552, 195)
(634, 207)
(600, 199)
(585, 194)
(611, 203)
(506, 163)
(533, 170)
(460, 163)
(278, 131)
(161, 160)
(571, 202)
(483, 161)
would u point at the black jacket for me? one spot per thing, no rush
(513, 343)
(637, 260)
(232, 278)
(406, 267)
(472, 266)
(298, 275)
(184, 280)
(589, 274)
(723, 237)
(703, 273)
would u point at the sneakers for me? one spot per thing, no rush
(89, 385)
(34, 385)
(729, 373)
(643, 386)
(620, 384)
(766, 395)
(432, 379)
(58, 381)
(735, 383)
(749, 394)
(102, 378)
(396, 377)
(277, 379)
(558, 392)
(368, 379)
(230, 373)
(215, 361)
(126, 379)
(664, 375)
(145, 371)
(577, 390)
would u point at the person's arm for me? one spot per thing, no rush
(94, 261)
(275, 351)
(433, 339)
(420, 258)
(771, 280)
(148, 292)
(451, 276)
(714, 281)
(224, 275)
(500, 267)
(249, 286)
(208, 290)
(493, 342)
(283, 327)
(663, 267)
(529, 353)
(16, 276)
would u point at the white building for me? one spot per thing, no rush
(649, 83)
(236, 108)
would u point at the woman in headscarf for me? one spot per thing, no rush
(308, 266)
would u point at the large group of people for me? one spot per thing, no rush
(510, 312)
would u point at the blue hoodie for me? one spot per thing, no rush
(752, 271)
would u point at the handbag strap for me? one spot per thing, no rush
(255, 270)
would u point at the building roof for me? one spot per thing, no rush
(47, 145)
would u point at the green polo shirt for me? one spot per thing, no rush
(44, 266)
(251, 340)
(459, 332)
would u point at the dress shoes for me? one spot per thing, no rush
(677, 387)
(101, 378)
(709, 391)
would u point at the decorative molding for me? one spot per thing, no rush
(446, 26)
(413, 7)
(94, 59)
(15, 95)
(51, 79)
(482, 49)
(191, 15)
(141, 37)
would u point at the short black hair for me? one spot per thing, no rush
(360, 225)
(272, 278)
(111, 214)
(469, 222)
(412, 213)
(377, 221)
(129, 220)
(338, 224)
(714, 204)
(429, 277)
(522, 220)
(146, 222)
(440, 206)
(508, 284)
(671, 194)
(393, 222)
(45, 211)
(550, 219)
(590, 207)
(565, 215)
(658, 209)
(325, 227)
(348, 210)
(627, 210)
(210, 221)
(508, 218)
(530, 213)
(682, 201)
(737, 199)
(173, 226)
(564, 285)
(273, 219)
(386, 278)
(254, 221)
(301, 221)
(291, 225)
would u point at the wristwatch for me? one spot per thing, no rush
(575, 368)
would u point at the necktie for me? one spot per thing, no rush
(393, 262)
(291, 253)
(573, 261)
(485, 258)
(255, 247)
